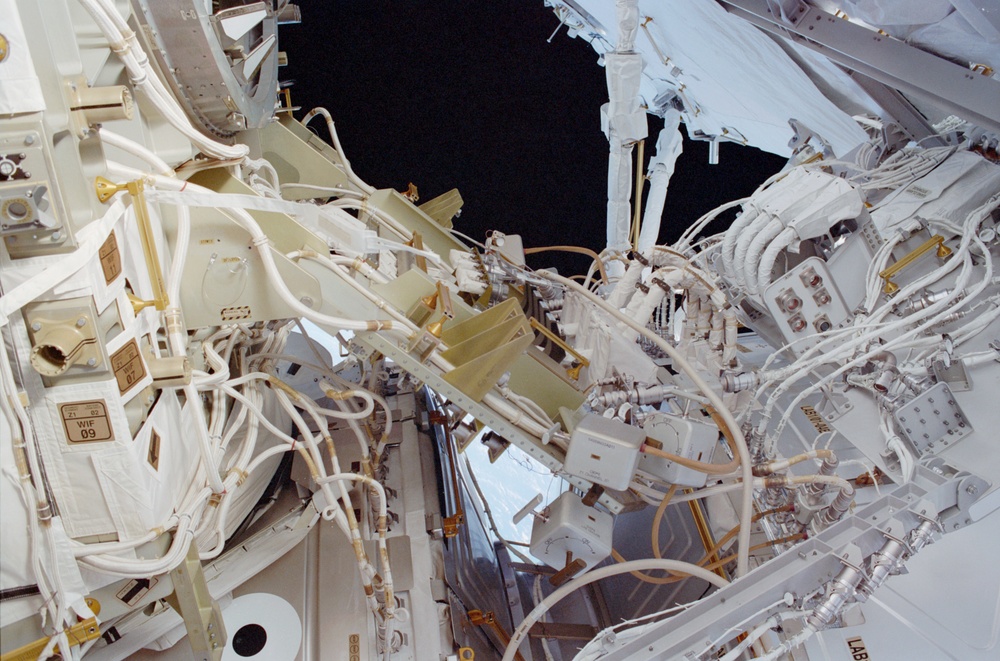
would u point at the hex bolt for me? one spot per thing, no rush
(972, 489)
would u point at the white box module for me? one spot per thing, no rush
(604, 451)
(690, 438)
(572, 528)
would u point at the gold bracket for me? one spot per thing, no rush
(287, 106)
(418, 242)
(582, 361)
(488, 619)
(78, 634)
(105, 189)
(450, 525)
(442, 297)
(936, 241)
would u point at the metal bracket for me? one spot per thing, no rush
(488, 619)
(202, 616)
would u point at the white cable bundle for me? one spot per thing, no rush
(123, 42)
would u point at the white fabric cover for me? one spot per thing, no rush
(20, 90)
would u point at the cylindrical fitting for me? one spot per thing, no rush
(170, 372)
(885, 561)
(104, 104)
(835, 510)
(840, 591)
(813, 492)
(921, 535)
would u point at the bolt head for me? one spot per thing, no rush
(91, 362)
(36, 326)
(81, 322)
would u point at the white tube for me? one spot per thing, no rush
(732, 326)
(684, 243)
(625, 287)
(137, 150)
(730, 239)
(669, 145)
(754, 251)
(743, 245)
(786, 238)
(597, 574)
(348, 170)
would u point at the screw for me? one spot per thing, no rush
(972, 489)
(35, 326)
(91, 362)
(81, 322)
(30, 140)
(306, 301)
(56, 236)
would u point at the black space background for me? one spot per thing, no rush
(469, 95)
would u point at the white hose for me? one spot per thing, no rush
(355, 179)
(743, 245)
(760, 240)
(137, 150)
(786, 238)
(732, 236)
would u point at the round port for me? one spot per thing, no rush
(823, 325)
(16, 210)
(789, 302)
(822, 297)
(797, 323)
(49, 360)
